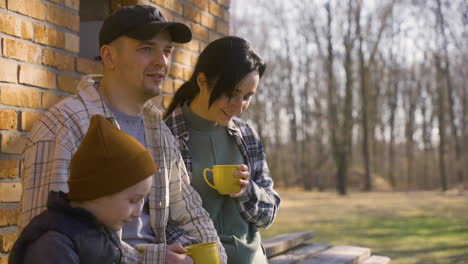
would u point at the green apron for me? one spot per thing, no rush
(213, 146)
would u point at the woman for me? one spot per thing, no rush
(203, 118)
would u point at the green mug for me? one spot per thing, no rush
(204, 253)
(224, 180)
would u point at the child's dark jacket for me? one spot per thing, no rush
(89, 241)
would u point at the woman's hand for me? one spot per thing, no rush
(243, 175)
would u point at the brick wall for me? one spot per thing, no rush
(39, 65)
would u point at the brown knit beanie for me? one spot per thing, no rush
(107, 162)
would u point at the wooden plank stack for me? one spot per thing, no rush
(293, 249)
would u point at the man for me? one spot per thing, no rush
(135, 47)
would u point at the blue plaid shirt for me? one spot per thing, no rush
(260, 203)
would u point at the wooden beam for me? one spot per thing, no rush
(340, 255)
(285, 242)
(298, 253)
(377, 260)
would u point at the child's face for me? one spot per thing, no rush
(115, 210)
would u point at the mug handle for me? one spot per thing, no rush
(206, 180)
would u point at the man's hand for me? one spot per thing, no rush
(174, 254)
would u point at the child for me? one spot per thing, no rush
(109, 179)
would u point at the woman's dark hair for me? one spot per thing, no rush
(225, 62)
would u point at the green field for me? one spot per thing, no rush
(410, 228)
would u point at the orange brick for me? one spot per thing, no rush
(88, 66)
(200, 32)
(202, 4)
(193, 61)
(3, 260)
(9, 217)
(177, 84)
(214, 36)
(176, 71)
(159, 2)
(48, 36)
(225, 3)
(32, 8)
(187, 74)
(215, 9)
(21, 51)
(208, 21)
(28, 119)
(67, 83)
(8, 169)
(64, 18)
(2, 5)
(175, 6)
(168, 87)
(7, 241)
(167, 14)
(222, 28)
(15, 26)
(73, 4)
(192, 13)
(193, 45)
(117, 4)
(167, 100)
(58, 60)
(56, 1)
(20, 97)
(12, 144)
(202, 45)
(36, 77)
(8, 71)
(8, 119)
(50, 99)
(72, 42)
(182, 57)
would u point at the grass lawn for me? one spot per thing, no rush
(410, 228)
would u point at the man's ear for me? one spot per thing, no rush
(107, 56)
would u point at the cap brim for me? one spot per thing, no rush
(180, 33)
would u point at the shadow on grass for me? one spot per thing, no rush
(413, 252)
(419, 237)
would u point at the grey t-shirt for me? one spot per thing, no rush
(138, 231)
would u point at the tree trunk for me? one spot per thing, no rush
(363, 71)
(442, 124)
(450, 96)
(393, 102)
(409, 133)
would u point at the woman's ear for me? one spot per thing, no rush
(202, 82)
(107, 56)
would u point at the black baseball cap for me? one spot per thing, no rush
(141, 22)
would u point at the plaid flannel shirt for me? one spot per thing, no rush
(259, 205)
(57, 135)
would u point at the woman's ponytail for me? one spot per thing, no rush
(185, 93)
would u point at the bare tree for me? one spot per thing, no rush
(410, 103)
(445, 68)
(364, 70)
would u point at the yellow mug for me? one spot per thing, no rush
(224, 180)
(204, 253)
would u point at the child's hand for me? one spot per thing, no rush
(244, 175)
